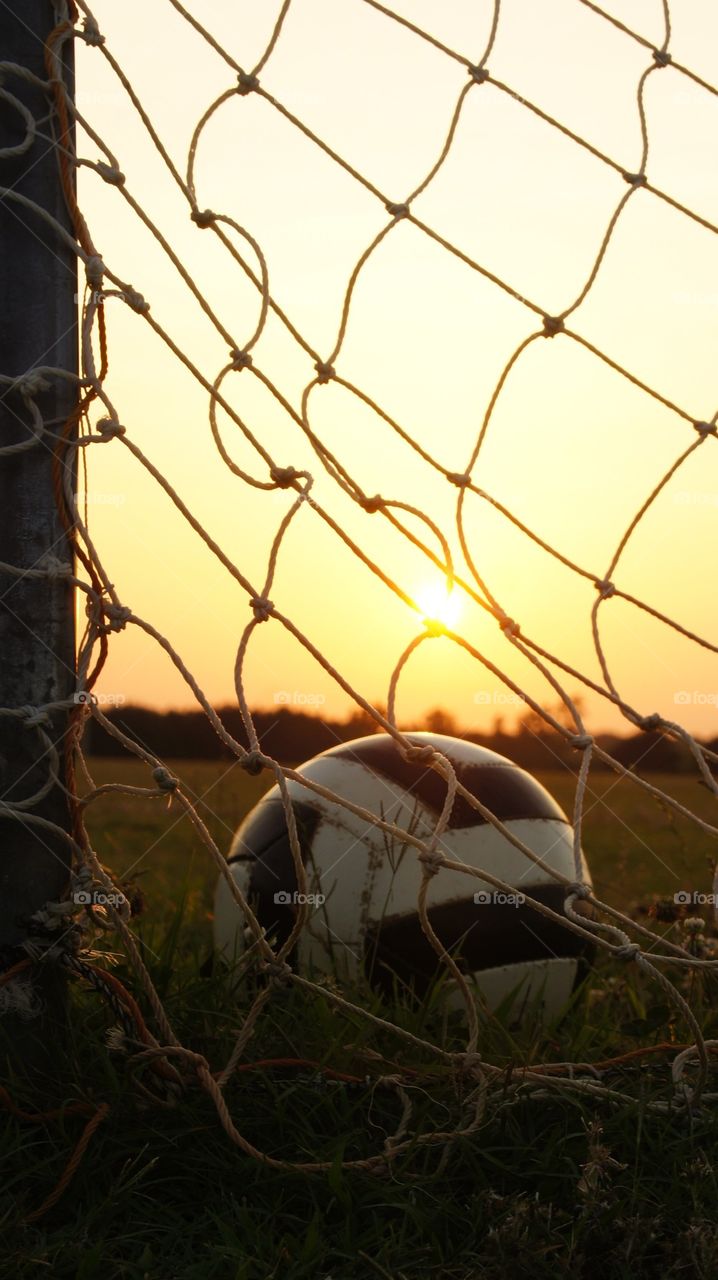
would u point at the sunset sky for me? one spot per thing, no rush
(573, 449)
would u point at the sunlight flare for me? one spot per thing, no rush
(439, 603)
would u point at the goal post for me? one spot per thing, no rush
(38, 340)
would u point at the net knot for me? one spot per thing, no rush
(372, 504)
(705, 428)
(581, 741)
(432, 862)
(628, 951)
(471, 1062)
(461, 479)
(135, 300)
(252, 763)
(479, 74)
(246, 83)
(606, 588)
(509, 626)
(203, 217)
(634, 179)
(165, 780)
(240, 359)
(91, 33)
(94, 271)
(648, 723)
(552, 325)
(119, 615)
(325, 372)
(578, 889)
(262, 608)
(284, 477)
(33, 717)
(54, 568)
(434, 627)
(277, 970)
(661, 57)
(114, 176)
(397, 210)
(30, 384)
(416, 754)
(109, 428)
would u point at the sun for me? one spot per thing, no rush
(439, 603)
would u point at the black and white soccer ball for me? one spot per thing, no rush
(363, 885)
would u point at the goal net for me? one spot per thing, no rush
(397, 338)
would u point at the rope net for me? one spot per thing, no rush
(259, 357)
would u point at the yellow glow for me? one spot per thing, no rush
(573, 448)
(439, 603)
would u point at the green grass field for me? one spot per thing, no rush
(550, 1187)
(636, 847)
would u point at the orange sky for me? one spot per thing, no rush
(572, 449)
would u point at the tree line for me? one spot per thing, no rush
(292, 736)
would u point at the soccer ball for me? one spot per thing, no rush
(363, 884)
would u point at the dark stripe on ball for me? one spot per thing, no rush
(478, 936)
(265, 844)
(507, 791)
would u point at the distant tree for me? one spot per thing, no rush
(294, 736)
(361, 723)
(440, 721)
(532, 722)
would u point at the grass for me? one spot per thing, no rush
(550, 1187)
(637, 848)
